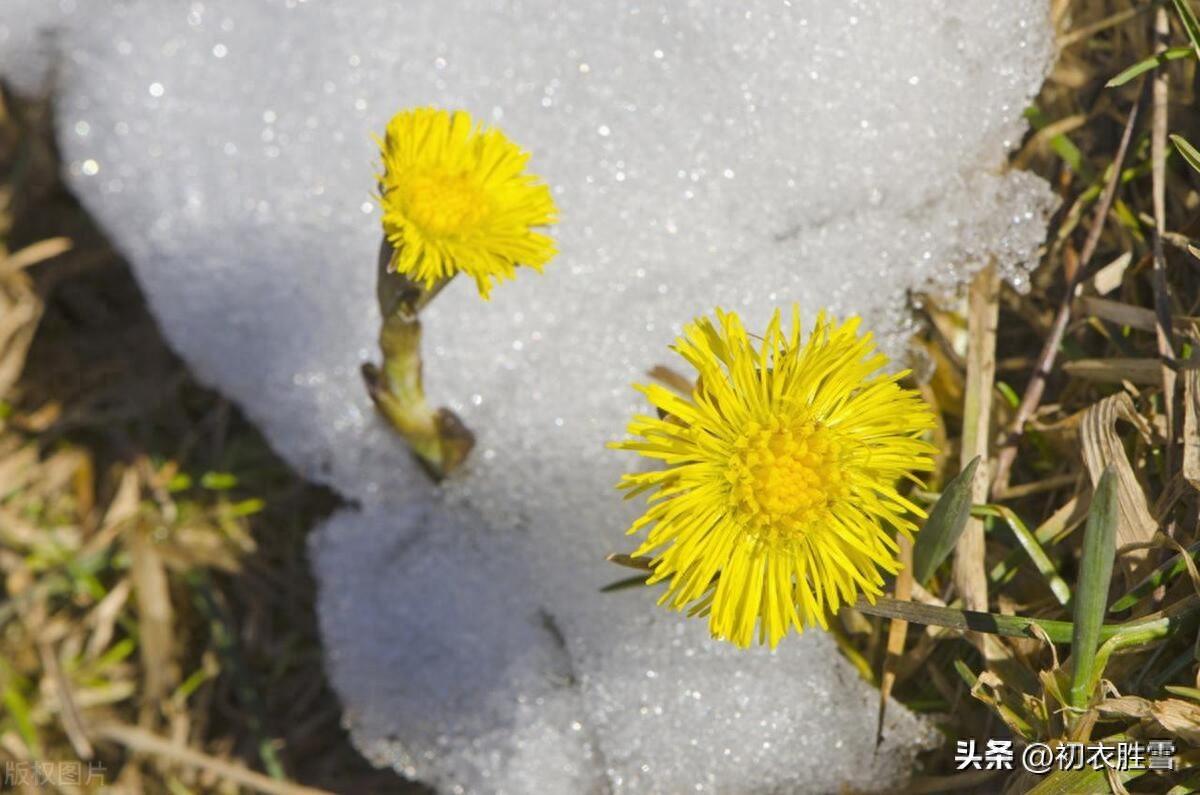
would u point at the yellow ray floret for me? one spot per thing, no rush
(456, 197)
(777, 498)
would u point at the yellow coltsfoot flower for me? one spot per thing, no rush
(456, 198)
(778, 497)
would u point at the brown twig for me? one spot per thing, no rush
(142, 741)
(1049, 353)
(1162, 305)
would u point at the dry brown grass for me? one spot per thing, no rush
(158, 617)
(159, 611)
(1117, 296)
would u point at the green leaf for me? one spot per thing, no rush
(117, 653)
(1091, 591)
(180, 481)
(1061, 144)
(1009, 394)
(19, 710)
(1190, 24)
(191, 684)
(1188, 785)
(219, 481)
(966, 673)
(945, 524)
(248, 507)
(1033, 548)
(1185, 692)
(1146, 64)
(1189, 152)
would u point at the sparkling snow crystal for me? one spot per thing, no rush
(744, 154)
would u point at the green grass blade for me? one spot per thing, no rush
(1131, 633)
(1033, 548)
(1189, 152)
(1163, 575)
(118, 652)
(1190, 24)
(1066, 149)
(1091, 591)
(1184, 692)
(1146, 64)
(1188, 785)
(1073, 782)
(218, 481)
(965, 672)
(945, 524)
(19, 710)
(1052, 532)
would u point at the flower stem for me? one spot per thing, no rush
(437, 436)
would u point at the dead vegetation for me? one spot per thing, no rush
(157, 632)
(158, 617)
(1094, 370)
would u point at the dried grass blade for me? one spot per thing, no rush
(1085, 32)
(1178, 717)
(153, 599)
(1110, 276)
(671, 378)
(20, 311)
(1116, 370)
(71, 722)
(970, 573)
(1191, 427)
(33, 254)
(1158, 154)
(641, 563)
(1123, 314)
(897, 631)
(142, 741)
(1101, 448)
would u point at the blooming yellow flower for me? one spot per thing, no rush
(456, 197)
(779, 489)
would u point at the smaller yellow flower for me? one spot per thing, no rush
(456, 197)
(778, 497)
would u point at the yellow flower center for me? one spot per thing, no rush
(443, 204)
(786, 478)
